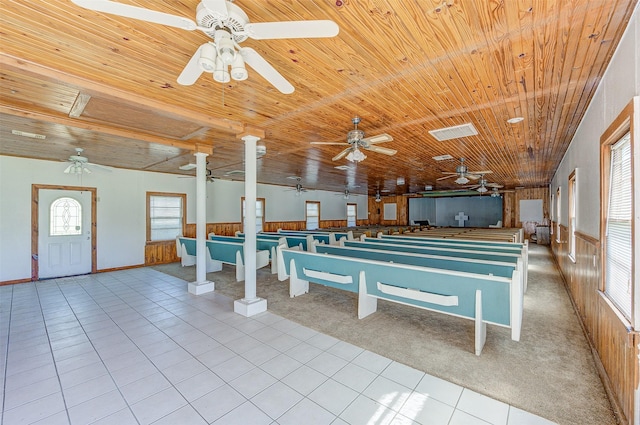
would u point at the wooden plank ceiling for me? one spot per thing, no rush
(108, 84)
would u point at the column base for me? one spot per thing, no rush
(250, 308)
(196, 288)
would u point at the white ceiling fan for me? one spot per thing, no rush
(78, 164)
(228, 26)
(357, 141)
(463, 174)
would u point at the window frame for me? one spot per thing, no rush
(306, 215)
(558, 213)
(243, 212)
(183, 198)
(572, 198)
(355, 215)
(628, 121)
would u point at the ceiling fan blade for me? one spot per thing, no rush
(380, 138)
(329, 143)
(446, 177)
(341, 154)
(191, 71)
(264, 68)
(380, 149)
(472, 176)
(292, 29)
(136, 12)
(218, 8)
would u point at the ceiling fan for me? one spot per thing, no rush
(78, 164)
(298, 187)
(463, 174)
(357, 141)
(483, 184)
(228, 26)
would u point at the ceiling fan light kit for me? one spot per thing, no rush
(356, 155)
(207, 60)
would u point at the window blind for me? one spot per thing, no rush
(165, 215)
(618, 262)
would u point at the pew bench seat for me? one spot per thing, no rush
(219, 253)
(485, 299)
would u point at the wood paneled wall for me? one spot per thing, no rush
(616, 347)
(508, 209)
(165, 251)
(376, 211)
(527, 194)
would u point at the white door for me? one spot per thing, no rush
(64, 233)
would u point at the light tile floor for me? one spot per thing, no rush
(133, 347)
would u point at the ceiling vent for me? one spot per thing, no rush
(27, 134)
(442, 157)
(455, 132)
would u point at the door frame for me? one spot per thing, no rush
(35, 196)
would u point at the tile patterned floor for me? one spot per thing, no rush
(133, 347)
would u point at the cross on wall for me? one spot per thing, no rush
(461, 218)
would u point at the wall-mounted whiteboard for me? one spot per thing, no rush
(531, 210)
(390, 212)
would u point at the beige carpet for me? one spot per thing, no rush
(549, 372)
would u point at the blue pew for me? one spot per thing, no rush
(482, 298)
(461, 251)
(333, 237)
(452, 241)
(221, 252)
(303, 242)
(261, 245)
(510, 248)
(488, 267)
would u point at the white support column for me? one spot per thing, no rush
(250, 305)
(201, 285)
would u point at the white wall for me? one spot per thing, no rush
(620, 83)
(121, 208)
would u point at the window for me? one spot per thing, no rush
(352, 210)
(312, 215)
(551, 203)
(572, 215)
(558, 215)
(617, 177)
(165, 216)
(66, 217)
(259, 214)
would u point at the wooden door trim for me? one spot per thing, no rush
(35, 231)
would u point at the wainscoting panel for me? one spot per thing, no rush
(616, 347)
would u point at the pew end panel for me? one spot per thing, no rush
(483, 301)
